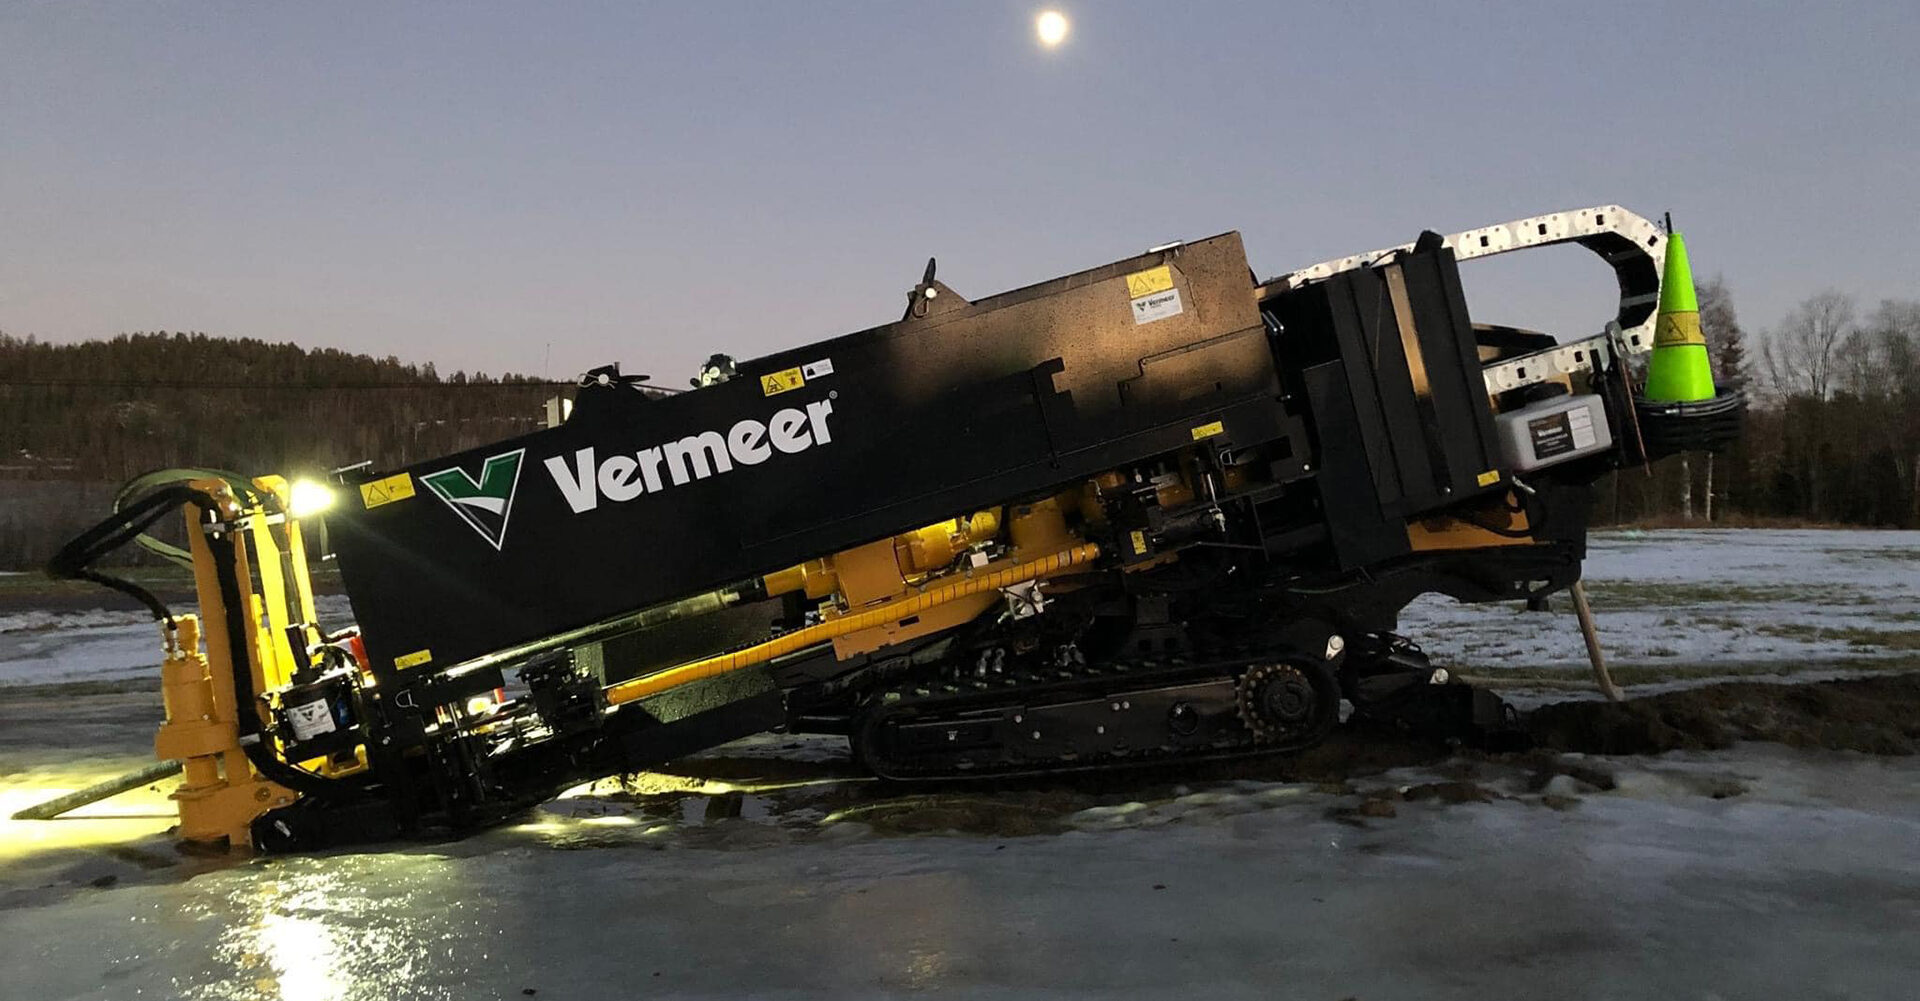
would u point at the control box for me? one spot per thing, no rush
(1553, 431)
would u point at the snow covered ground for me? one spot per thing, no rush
(1754, 872)
(41, 647)
(1692, 603)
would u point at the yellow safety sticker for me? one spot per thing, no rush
(1488, 478)
(775, 383)
(1206, 431)
(1139, 540)
(397, 487)
(1149, 281)
(414, 659)
(1675, 330)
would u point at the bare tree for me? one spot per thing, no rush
(1893, 339)
(1876, 361)
(1896, 328)
(1799, 356)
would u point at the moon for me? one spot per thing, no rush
(1052, 28)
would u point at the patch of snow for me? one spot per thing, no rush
(38, 620)
(41, 648)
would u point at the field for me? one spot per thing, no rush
(1744, 828)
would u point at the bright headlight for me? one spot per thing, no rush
(307, 498)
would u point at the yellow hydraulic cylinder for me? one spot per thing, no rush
(912, 554)
(191, 733)
(218, 795)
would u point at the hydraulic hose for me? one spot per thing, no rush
(162, 477)
(75, 559)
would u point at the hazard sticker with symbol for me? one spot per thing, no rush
(1678, 330)
(397, 487)
(1148, 282)
(785, 380)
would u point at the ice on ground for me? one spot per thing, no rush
(1759, 872)
(96, 653)
(37, 620)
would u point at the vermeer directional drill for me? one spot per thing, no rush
(1154, 512)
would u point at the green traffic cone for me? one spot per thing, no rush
(1679, 371)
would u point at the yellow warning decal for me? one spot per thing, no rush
(775, 383)
(414, 659)
(1488, 478)
(1139, 540)
(1149, 281)
(1206, 431)
(1675, 330)
(397, 487)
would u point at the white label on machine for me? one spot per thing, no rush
(1580, 424)
(1157, 306)
(310, 719)
(814, 370)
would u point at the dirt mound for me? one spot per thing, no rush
(1872, 715)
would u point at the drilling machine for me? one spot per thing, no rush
(1158, 511)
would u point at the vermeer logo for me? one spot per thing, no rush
(623, 476)
(486, 503)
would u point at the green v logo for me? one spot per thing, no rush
(484, 505)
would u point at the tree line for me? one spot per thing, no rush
(76, 418)
(1833, 433)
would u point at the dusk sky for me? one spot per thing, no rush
(471, 183)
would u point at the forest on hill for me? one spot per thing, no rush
(78, 419)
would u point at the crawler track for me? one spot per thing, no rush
(994, 721)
